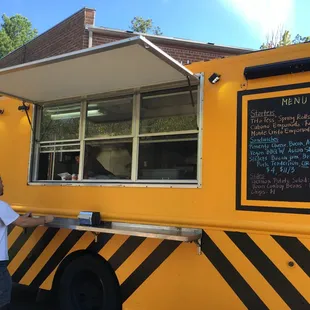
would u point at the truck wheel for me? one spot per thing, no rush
(89, 283)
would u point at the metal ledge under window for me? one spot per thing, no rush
(120, 185)
(148, 231)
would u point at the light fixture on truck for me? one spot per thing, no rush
(91, 113)
(23, 107)
(214, 78)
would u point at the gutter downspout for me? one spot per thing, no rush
(90, 38)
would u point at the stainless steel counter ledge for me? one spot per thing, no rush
(148, 231)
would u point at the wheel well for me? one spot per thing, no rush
(67, 260)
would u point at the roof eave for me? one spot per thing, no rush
(170, 40)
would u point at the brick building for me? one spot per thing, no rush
(79, 32)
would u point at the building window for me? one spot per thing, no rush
(143, 138)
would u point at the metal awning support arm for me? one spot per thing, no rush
(25, 108)
(190, 91)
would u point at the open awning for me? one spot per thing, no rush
(122, 65)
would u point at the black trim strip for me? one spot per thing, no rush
(126, 249)
(19, 242)
(239, 205)
(34, 254)
(274, 209)
(274, 89)
(148, 266)
(238, 150)
(277, 68)
(57, 257)
(269, 271)
(101, 242)
(233, 278)
(294, 248)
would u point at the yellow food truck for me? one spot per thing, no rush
(173, 187)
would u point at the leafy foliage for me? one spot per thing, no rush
(15, 31)
(108, 129)
(139, 24)
(168, 124)
(299, 39)
(55, 130)
(282, 37)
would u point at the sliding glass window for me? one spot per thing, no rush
(141, 138)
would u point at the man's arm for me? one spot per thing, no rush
(26, 221)
(9, 216)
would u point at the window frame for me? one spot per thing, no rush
(36, 143)
(135, 136)
(169, 133)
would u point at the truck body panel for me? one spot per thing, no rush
(251, 258)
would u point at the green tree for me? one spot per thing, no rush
(285, 39)
(15, 31)
(282, 38)
(299, 39)
(139, 24)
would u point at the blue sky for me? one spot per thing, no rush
(243, 23)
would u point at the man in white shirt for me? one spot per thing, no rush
(9, 216)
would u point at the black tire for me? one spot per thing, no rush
(89, 283)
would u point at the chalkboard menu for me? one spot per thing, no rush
(278, 161)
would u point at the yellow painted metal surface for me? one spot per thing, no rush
(157, 274)
(82, 244)
(211, 206)
(44, 256)
(183, 279)
(29, 244)
(177, 284)
(136, 259)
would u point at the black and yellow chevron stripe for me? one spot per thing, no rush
(40, 251)
(265, 271)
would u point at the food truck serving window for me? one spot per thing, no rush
(141, 138)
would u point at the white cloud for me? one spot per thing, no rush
(263, 16)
